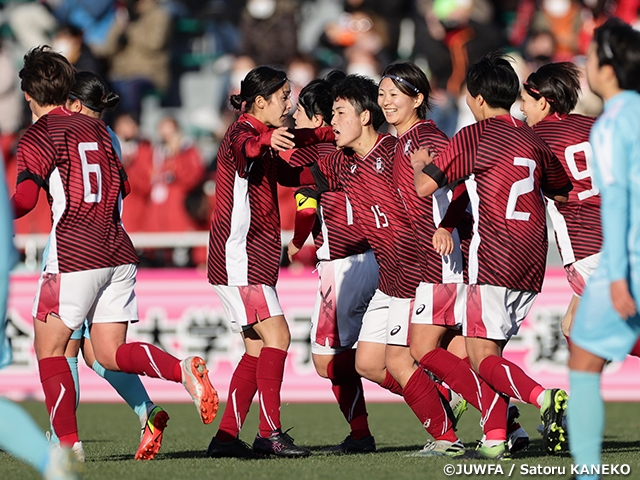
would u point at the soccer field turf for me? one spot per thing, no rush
(110, 434)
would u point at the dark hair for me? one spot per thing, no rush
(408, 77)
(46, 76)
(93, 92)
(316, 97)
(559, 83)
(362, 93)
(263, 82)
(618, 45)
(494, 78)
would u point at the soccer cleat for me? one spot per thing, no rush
(234, 449)
(280, 444)
(440, 448)
(151, 438)
(552, 411)
(63, 464)
(458, 406)
(517, 438)
(496, 452)
(196, 380)
(351, 445)
(78, 451)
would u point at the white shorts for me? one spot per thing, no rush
(579, 272)
(495, 312)
(345, 287)
(387, 320)
(248, 304)
(440, 304)
(399, 322)
(103, 295)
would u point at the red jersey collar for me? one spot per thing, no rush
(510, 119)
(554, 117)
(415, 125)
(254, 122)
(61, 110)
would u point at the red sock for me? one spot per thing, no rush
(391, 384)
(493, 407)
(145, 359)
(60, 398)
(422, 396)
(242, 389)
(635, 351)
(509, 379)
(455, 372)
(347, 388)
(269, 373)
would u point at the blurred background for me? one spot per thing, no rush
(174, 64)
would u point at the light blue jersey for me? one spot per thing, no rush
(616, 141)
(8, 258)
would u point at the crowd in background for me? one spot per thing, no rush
(174, 64)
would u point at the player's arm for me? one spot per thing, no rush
(289, 176)
(556, 184)
(35, 159)
(424, 183)
(249, 147)
(303, 137)
(612, 144)
(307, 199)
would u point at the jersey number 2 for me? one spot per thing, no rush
(87, 170)
(520, 187)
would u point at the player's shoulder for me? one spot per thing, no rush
(386, 143)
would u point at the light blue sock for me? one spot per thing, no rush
(585, 416)
(128, 386)
(73, 365)
(21, 437)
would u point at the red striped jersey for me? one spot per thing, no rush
(71, 156)
(576, 223)
(426, 213)
(378, 210)
(335, 234)
(508, 168)
(244, 241)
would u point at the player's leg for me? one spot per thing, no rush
(115, 307)
(242, 389)
(21, 437)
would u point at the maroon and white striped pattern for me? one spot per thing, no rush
(72, 157)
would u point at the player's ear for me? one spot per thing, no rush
(365, 118)
(417, 100)
(479, 100)
(260, 102)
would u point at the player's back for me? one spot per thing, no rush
(576, 222)
(73, 157)
(510, 237)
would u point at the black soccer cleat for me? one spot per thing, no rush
(552, 411)
(351, 445)
(236, 448)
(280, 444)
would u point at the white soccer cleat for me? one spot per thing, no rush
(62, 465)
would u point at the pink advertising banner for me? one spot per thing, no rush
(180, 312)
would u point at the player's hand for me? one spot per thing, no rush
(622, 300)
(443, 242)
(291, 250)
(420, 158)
(281, 139)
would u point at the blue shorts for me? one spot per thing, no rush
(598, 328)
(83, 331)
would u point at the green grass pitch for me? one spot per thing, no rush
(110, 435)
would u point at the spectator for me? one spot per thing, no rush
(69, 41)
(137, 159)
(138, 50)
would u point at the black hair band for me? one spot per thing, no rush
(97, 110)
(403, 81)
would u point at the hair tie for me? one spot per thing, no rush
(536, 91)
(403, 81)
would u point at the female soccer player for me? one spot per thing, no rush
(607, 323)
(91, 266)
(436, 340)
(244, 258)
(548, 97)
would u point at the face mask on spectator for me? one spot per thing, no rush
(261, 9)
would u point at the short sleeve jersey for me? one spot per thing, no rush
(244, 241)
(577, 222)
(507, 167)
(378, 210)
(72, 157)
(336, 234)
(426, 213)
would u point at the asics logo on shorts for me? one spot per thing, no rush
(420, 309)
(395, 330)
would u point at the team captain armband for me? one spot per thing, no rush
(436, 174)
(303, 202)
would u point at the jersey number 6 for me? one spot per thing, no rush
(87, 170)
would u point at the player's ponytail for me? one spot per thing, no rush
(93, 92)
(110, 100)
(262, 82)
